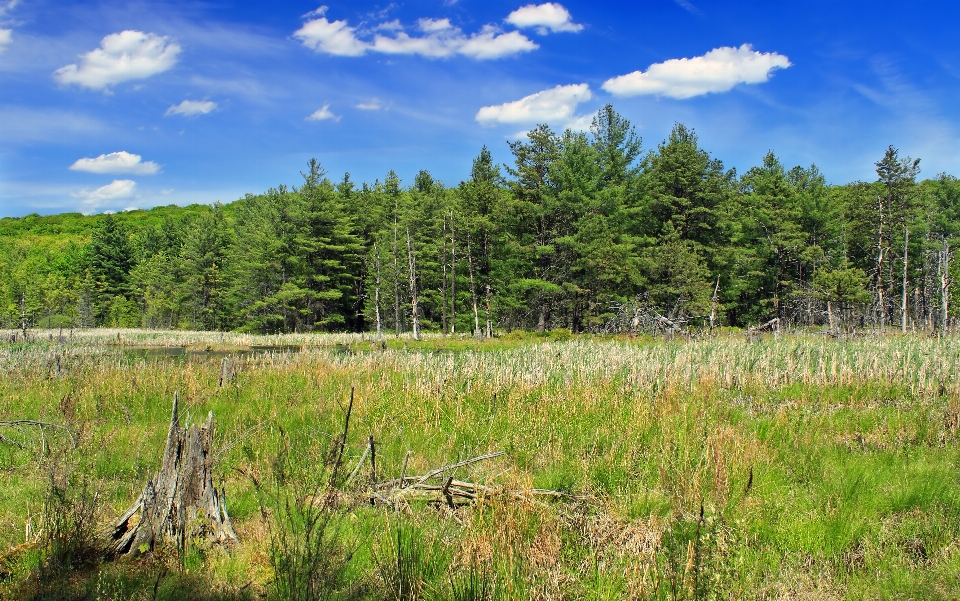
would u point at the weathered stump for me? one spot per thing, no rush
(180, 501)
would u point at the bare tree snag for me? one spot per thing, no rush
(180, 501)
(473, 291)
(414, 299)
(228, 370)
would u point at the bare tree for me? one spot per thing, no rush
(473, 290)
(453, 275)
(376, 289)
(412, 263)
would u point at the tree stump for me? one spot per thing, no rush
(180, 501)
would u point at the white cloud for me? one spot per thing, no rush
(316, 13)
(121, 57)
(440, 39)
(689, 7)
(489, 45)
(554, 105)
(6, 37)
(6, 7)
(373, 105)
(189, 108)
(118, 189)
(322, 114)
(717, 71)
(116, 162)
(547, 17)
(580, 123)
(332, 37)
(432, 25)
(442, 43)
(389, 26)
(432, 46)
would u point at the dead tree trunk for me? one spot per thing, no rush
(414, 300)
(443, 284)
(180, 501)
(713, 305)
(396, 271)
(945, 285)
(376, 302)
(903, 303)
(23, 315)
(473, 291)
(453, 275)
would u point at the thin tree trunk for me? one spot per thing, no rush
(713, 305)
(489, 322)
(412, 262)
(945, 284)
(830, 317)
(473, 290)
(443, 282)
(879, 289)
(453, 276)
(903, 306)
(376, 292)
(396, 273)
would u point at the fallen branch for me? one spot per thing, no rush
(39, 424)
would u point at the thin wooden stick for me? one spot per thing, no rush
(453, 466)
(41, 425)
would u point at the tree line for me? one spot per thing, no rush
(581, 230)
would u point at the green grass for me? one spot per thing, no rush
(852, 446)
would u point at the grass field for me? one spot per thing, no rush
(793, 468)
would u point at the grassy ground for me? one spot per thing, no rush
(790, 468)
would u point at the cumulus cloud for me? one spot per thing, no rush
(189, 108)
(437, 38)
(118, 189)
(488, 44)
(373, 105)
(547, 17)
(121, 56)
(316, 13)
(331, 37)
(716, 71)
(389, 26)
(116, 162)
(554, 105)
(322, 114)
(432, 25)
(6, 35)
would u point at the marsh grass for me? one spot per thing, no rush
(825, 469)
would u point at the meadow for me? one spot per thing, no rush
(795, 467)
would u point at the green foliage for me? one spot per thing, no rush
(844, 286)
(307, 547)
(576, 232)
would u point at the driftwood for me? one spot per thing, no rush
(180, 501)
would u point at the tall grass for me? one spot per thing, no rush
(822, 467)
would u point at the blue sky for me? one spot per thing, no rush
(112, 105)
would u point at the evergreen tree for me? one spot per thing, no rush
(111, 259)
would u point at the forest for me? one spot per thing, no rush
(588, 231)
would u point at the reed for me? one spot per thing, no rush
(709, 468)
